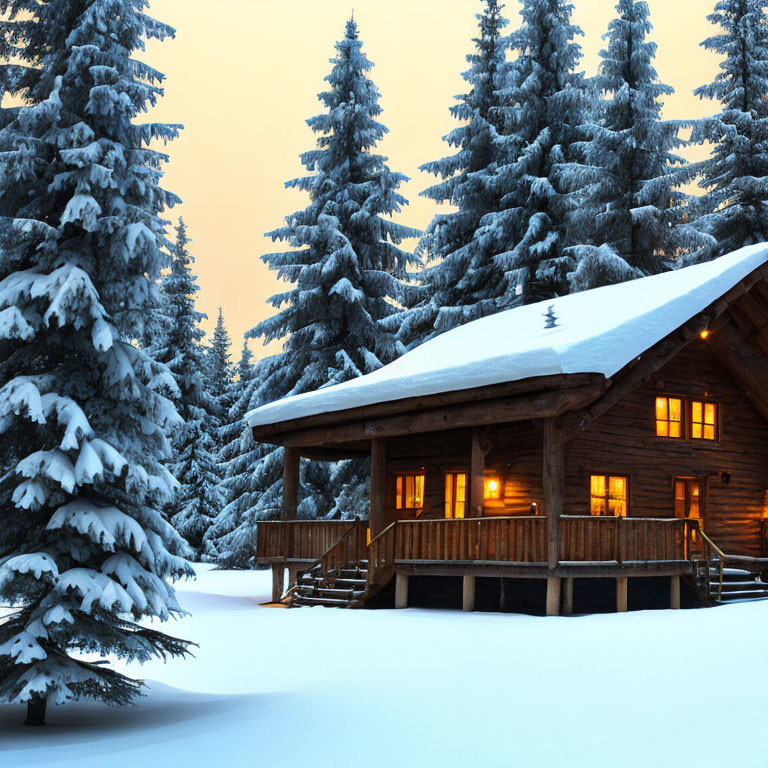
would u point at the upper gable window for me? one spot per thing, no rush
(703, 420)
(669, 416)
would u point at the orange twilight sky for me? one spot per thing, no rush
(243, 76)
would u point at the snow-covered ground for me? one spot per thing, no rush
(324, 687)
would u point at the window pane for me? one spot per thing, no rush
(694, 511)
(618, 488)
(419, 491)
(709, 432)
(597, 505)
(709, 413)
(461, 487)
(661, 408)
(617, 508)
(409, 492)
(399, 493)
(662, 429)
(674, 429)
(696, 430)
(675, 409)
(449, 495)
(696, 411)
(597, 485)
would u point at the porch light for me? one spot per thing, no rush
(492, 488)
(704, 334)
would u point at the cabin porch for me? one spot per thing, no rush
(618, 548)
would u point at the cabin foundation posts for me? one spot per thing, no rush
(468, 592)
(477, 476)
(674, 592)
(553, 475)
(621, 594)
(278, 574)
(568, 597)
(401, 590)
(379, 518)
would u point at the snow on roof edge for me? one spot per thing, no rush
(599, 331)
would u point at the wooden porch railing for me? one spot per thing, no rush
(505, 539)
(304, 539)
(519, 539)
(628, 539)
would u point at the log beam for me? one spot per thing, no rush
(477, 476)
(497, 411)
(379, 514)
(291, 466)
(554, 485)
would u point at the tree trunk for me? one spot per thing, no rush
(36, 710)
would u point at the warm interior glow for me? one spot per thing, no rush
(409, 492)
(492, 490)
(703, 420)
(669, 416)
(687, 497)
(455, 494)
(608, 495)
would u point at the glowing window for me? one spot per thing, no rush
(409, 492)
(669, 417)
(608, 495)
(703, 420)
(687, 498)
(455, 494)
(492, 488)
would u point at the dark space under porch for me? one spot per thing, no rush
(528, 596)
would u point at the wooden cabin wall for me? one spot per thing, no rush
(514, 455)
(623, 442)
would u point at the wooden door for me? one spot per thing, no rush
(689, 498)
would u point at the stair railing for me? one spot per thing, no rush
(712, 548)
(381, 559)
(349, 547)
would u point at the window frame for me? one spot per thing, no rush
(686, 431)
(452, 476)
(402, 492)
(606, 496)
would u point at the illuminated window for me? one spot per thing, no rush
(455, 494)
(703, 420)
(492, 488)
(608, 495)
(409, 492)
(687, 497)
(669, 417)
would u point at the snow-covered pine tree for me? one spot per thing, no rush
(345, 265)
(85, 552)
(464, 282)
(194, 463)
(219, 366)
(629, 214)
(230, 541)
(735, 176)
(547, 107)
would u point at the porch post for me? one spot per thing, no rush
(278, 576)
(674, 592)
(291, 461)
(379, 516)
(553, 477)
(477, 479)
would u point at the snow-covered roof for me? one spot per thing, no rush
(597, 331)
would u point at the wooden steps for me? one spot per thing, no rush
(738, 586)
(338, 587)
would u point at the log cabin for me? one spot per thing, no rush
(619, 433)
